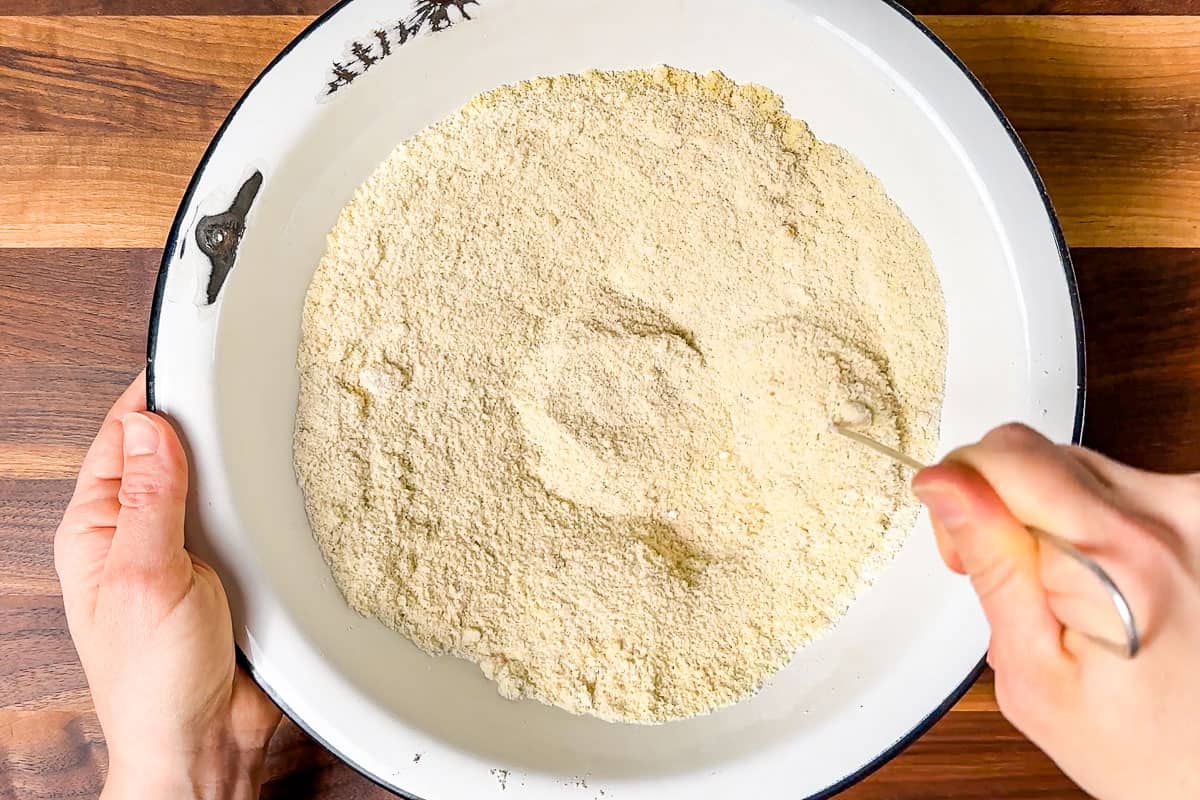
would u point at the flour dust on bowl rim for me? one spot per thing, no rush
(226, 325)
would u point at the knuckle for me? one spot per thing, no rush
(141, 489)
(1012, 435)
(139, 580)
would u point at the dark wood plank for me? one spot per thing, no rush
(1126, 190)
(132, 74)
(76, 293)
(72, 336)
(969, 757)
(50, 755)
(89, 307)
(51, 745)
(1142, 313)
(29, 513)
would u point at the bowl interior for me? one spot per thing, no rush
(866, 78)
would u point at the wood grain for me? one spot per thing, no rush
(1111, 189)
(1107, 105)
(1084, 74)
(105, 106)
(1122, 190)
(72, 335)
(1142, 314)
(110, 290)
(137, 75)
(59, 8)
(119, 190)
(314, 7)
(181, 75)
(1043, 7)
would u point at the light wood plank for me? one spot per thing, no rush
(1111, 189)
(181, 74)
(1115, 189)
(1116, 144)
(39, 461)
(60, 8)
(116, 190)
(1038, 7)
(158, 73)
(1084, 73)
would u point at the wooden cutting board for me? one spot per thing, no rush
(106, 106)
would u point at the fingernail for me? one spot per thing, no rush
(944, 503)
(141, 435)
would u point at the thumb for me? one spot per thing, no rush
(153, 493)
(1000, 556)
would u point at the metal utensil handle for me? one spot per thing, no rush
(1133, 639)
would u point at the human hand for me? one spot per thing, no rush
(152, 625)
(1123, 729)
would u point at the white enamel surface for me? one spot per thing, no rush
(867, 79)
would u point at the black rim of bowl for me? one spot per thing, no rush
(933, 716)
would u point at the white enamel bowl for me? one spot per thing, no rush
(867, 77)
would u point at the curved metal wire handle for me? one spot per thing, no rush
(1133, 641)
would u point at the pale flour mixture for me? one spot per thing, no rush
(567, 374)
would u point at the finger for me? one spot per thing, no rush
(82, 541)
(1000, 556)
(946, 549)
(153, 492)
(84, 535)
(1145, 571)
(1043, 485)
(1079, 600)
(100, 473)
(256, 717)
(93, 504)
(1097, 504)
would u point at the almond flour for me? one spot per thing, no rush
(568, 368)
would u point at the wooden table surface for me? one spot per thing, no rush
(106, 106)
